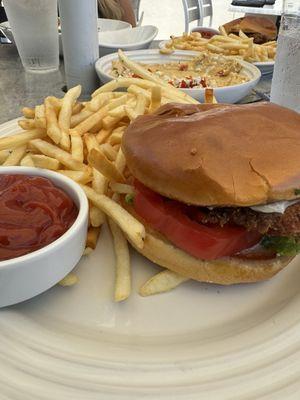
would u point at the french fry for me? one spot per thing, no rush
(28, 112)
(155, 98)
(242, 35)
(162, 282)
(99, 101)
(69, 280)
(27, 124)
(132, 227)
(99, 184)
(15, 156)
(41, 161)
(92, 237)
(10, 142)
(110, 122)
(123, 270)
(53, 130)
(39, 117)
(80, 117)
(98, 160)
(27, 161)
(120, 162)
(109, 151)
(62, 156)
(222, 30)
(87, 251)
(123, 83)
(77, 108)
(121, 188)
(116, 136)
(91, 142)
(103, 135)
(209, 96)
(77, 147)
(65, 114)
(97, 217)
(83, 177)
(3, 155)
(56, 103)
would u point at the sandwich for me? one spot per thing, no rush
(262, 29)
(217, 187)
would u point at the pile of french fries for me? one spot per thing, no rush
(227, 44)
(81, 140)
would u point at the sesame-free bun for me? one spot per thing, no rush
(224, 271)
(217, 154)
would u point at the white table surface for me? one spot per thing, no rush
(276, 9)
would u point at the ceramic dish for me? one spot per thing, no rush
(265, 68)
(130, 39)
(197, 342)
(27, 276)
(228, 94)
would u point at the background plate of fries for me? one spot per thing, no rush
(99, 335)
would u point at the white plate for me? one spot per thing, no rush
(265, 68)
(228, 94)
(199, 342)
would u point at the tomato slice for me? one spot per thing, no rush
(171, 219)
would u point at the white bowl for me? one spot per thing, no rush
(129, 39)
(24, 277)
(104, 25)
(228, 94)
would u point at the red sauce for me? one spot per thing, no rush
(33, 213)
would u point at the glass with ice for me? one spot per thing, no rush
(285, 89)
(35, 30)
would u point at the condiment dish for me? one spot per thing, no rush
(24, 277)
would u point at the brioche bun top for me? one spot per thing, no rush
(263, 29)
(217, 154)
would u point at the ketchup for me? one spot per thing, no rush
(33, 213)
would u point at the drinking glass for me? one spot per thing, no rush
(285, 89)
(34, 26)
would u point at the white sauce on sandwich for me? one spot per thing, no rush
(277, 207)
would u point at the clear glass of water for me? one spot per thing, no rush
(34, 26)
(285, 89)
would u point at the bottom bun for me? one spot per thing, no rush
(224, 271)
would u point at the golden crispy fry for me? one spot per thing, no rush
(121, 188)
(77, 147)
(155, 98)
(166, 50)
(45, 162)
(162, 282)
(27, 161)
(28, 112)
(69, 280)
(40, 117)
(80, 117)
(53, 130)
(222, 30)
(109, 122)
(97, 218)
(123, 83)
(116, 135)
(214, 48)
(242, 35)
(91, 142)
(120, 162)
(123, 270)
(98, 160)
(209, 96)
(99, 101)
(87, 251)
(64, 157)
(10, 142)
(132, 227)
(27, 124)
(65, 114)
(109, 151)
(15, 156)
(77, 176)
(103, 135)
(92, 237)
(77, 108)
(3, 155)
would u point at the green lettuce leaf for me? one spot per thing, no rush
(282, 245)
